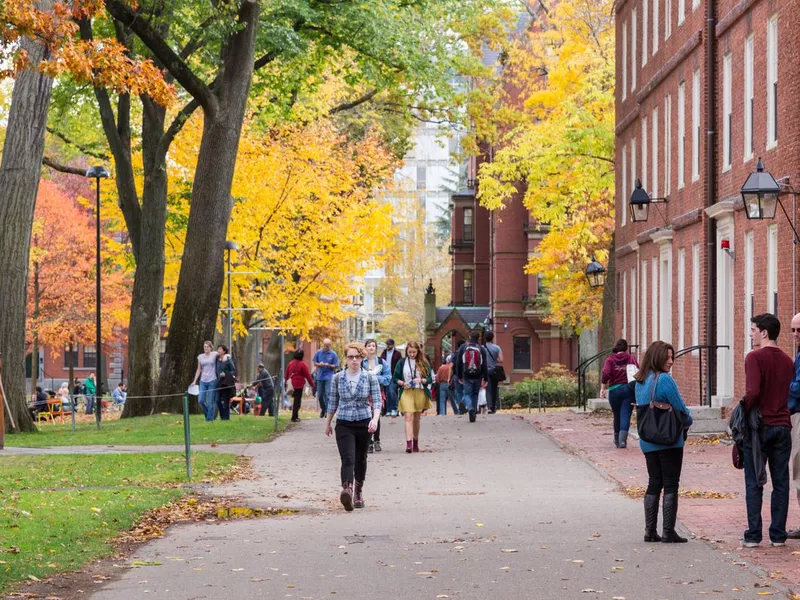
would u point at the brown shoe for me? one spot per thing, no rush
(346, 497)
(358, 500)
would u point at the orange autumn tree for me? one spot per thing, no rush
(61, 289)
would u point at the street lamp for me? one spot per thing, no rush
(229, 245)
(595, 273)
(640, 202)
(761, 196)
(97, 173)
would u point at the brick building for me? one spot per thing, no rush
(698, 101)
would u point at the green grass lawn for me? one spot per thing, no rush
(45, 531)
(151, 431)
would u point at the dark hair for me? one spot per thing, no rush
(654, 359)
(621, 345)
(769, 323)
(225, 349)
(120, 384)
(38, 388)
(299, 354)
(489, 336)
(390, 341)
(461, 343)
(474, 336)
(370, 341)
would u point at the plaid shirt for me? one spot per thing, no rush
(358, 406)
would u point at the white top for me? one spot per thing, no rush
(410, 370)
(352, 380)
(208, 367)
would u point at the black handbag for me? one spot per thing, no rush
(499, 373)
(658, 422)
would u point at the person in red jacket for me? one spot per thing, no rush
(298, 372)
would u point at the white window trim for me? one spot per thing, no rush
(749, 62)
(634, 42)
(644, 152)
(696, 126)
(749, 287)
(624, 60)
(665, 293)
(645, 29)
(654, 276)
(772, 79)
(727, 109)
(772, 266)
(695, 295)
(695, 4)
(681, 135)
(667, 19)
(643, 304)
(655, 26)
(681, 12)
(681, 297)
(667, 145)
(625, 305)
(623, 207)
(654, 150)
(633, 166)
(634, 313)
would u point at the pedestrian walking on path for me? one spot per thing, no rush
(444, 381)
(768, 373)
(794, 411)
(355, 395)
(413, 379)
(664, 462)
(472, 372)
(266, 390)
(325, 361)
(392, 356)
(206, 379)
(614, 384)
(297, 374)
(380, 368)
(495, 371)
(226, 382)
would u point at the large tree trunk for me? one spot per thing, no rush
(19, 183)
(194, 316)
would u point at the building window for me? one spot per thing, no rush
(772, 81)
(749, 106)
(624, 303)
(623, 211)
(772, 269)
(654, 299)
(633, 305)
(643, 304)
(634, 64)
(89, 357)
(422, 177)
(667, 19)
(696, 126)
(644, 151)
(667, 145)
(655, 26)
(695, 294)
(681, 135)
(522, 353)
(665, 317)
(624, 60)
(654, 141)
(645, 23)
(681, 297)
(467, 287)
(71, 358)
(468, 233)
(727, 111)
(749, 287)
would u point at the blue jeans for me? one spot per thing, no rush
(207, 400)
(620, 399)
(776, 448)
(391, 398)
(445, 394)
(89, 404)
(323, 387)
(459, 393)
(471, 388)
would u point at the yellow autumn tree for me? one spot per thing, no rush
(552, 122)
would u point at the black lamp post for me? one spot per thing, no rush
(595, 273)
(640, 202)
(97, 173)
(761, 195)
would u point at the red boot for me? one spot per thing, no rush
(415, 447)
(408, 447)
(346, 497)
(358, 500)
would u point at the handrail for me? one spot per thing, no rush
(581, 372)
(700, 348)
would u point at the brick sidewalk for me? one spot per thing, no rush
(706, 468)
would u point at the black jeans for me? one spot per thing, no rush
(776, 448)
(267, 400)
(664, 470)
(297, 396)
(352, 438)
(224, 403)
(493, 400)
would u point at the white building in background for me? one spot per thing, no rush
(430, 173)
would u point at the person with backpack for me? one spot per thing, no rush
(472, 372)
(380, 368)
(614, 384)
(413, 379)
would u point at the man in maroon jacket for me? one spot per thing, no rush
(392, 356)
(768, 374)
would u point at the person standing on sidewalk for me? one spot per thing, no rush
(413, 378)
(471, 372)
(356, 395)
(380, 368)
(325, 361)
(614, 384)
(794, 411)
(266, 390)
(664, 463)
(206, 379)
(768, 374)
(392, 356)
(495, 371)
(226, 382)
(297, 371)
(90, 385)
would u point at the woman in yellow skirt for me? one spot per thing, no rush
(412, 376)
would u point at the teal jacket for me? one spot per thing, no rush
(666, 391)
(398, 375)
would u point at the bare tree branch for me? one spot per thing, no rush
(48, 162)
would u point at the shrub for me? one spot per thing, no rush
(556, 384)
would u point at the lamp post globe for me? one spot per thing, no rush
(595, 274)
(760, 194)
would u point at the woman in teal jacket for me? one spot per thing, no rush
(413, 379)
(664, 463)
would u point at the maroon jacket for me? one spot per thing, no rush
(299, 373)
(768, 372)
(615, 369)
(395, 358)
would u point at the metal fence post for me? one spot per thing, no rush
(186, 436)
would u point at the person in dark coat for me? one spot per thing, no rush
(266, 389)
(226, 382)
(392, 356)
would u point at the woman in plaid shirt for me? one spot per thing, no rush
(356, 395)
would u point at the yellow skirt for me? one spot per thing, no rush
(414, 400)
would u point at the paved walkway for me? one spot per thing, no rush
(706, 468)
(491, 509)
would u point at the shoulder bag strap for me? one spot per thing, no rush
(653, 390)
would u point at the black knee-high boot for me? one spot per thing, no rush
(668, 535)
(651, 518)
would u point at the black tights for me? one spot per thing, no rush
(298, 398)
(352, 438)
(664, 470)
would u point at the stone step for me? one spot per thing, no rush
(593, 404)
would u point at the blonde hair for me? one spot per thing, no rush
(357, 347)
(422, 361)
